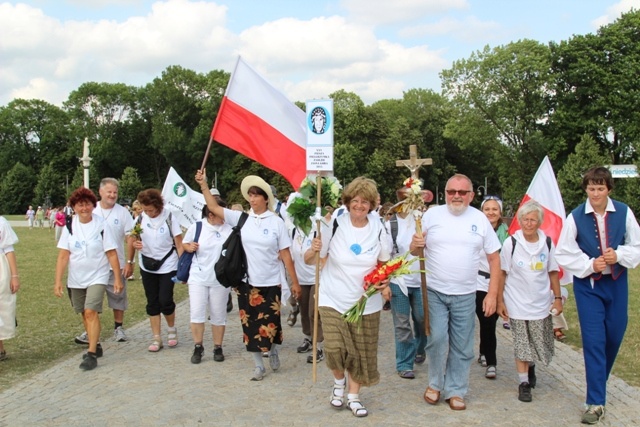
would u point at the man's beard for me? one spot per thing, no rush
(457, 210)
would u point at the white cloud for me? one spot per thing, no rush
(469, 29)
(389, 12)
(614, 12)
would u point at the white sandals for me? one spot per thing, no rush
(337, 401)
(357, 408)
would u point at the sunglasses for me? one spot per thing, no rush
(490, 197)
(460, 192)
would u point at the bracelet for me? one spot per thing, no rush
(558, 297)
(129, 261)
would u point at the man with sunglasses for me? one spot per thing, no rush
(454, 236)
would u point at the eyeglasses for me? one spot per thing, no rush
(460, 192)
(529, 220)
(491, 197)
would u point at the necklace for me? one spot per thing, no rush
(102, 212)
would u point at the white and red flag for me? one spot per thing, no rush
(544, 190)
(257, 120)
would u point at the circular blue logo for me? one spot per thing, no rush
(318, 120)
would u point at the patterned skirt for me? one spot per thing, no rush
(352, 347)
(259, 310)
(533, 340)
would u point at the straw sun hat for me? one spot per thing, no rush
(256, 181)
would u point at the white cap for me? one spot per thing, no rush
(214, 192)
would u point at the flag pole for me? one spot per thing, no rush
(317, 287)
(215, 124)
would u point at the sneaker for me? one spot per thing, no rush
(593, 414)
(89, 362)
(99, 351)
(482, 361)
(197, 354)
(490, 372)
(258, 373)
(83, 338)
(524, 392)
(420, 358)
(532, 376)
(132, 277)
(274, 361)
(306, 346)
(319, 356)
(119, 335)
(217, 354)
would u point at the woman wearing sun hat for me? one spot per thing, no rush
(266, 243)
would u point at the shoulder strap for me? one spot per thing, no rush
(198, 230)
(513, 241)
(169, 224)
(335, 227)
(394, 231)
(69, 223)
(242, 220)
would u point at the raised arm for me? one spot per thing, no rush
(212, 204)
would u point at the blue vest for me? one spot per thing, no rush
(588, 236)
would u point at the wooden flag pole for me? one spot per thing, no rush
(317, 287)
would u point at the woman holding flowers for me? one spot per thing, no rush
(350, 249)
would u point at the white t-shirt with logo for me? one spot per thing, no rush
(120, 221)
(263, 237)
(87, 246)
(526, 290)
(353, 253)
(300, 243)
(210, 242)
(157, 240)
(454, 247)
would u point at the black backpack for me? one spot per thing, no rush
(231, 268)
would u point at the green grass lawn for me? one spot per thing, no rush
(46, 324)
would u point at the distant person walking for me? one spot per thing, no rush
(30, 216)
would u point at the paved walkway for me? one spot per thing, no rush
(134, 387)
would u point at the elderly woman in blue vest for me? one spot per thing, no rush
(600, 240)
(406, 304)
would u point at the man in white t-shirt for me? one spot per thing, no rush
(120, 221)
(454, 236)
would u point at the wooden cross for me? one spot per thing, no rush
(413, 163)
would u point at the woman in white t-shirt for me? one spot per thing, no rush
(204, 288)
(88, 247)
(530, 270)
(351, 249)
(9, 284)
(266, 244)
(159, 247)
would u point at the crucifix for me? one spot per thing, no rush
(414, 164)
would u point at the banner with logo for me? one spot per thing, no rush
(185, 203)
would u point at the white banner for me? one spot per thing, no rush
(179, 198)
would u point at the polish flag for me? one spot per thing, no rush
(256, 120)
(544, 190)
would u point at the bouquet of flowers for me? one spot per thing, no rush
(414, 199)
(136, 231)
(395, 267)
(301, 209)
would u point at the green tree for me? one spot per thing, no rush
(597, 90)
(50, 185)
(587, 155)
(130, 185)
(16, 190)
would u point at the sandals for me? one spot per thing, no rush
(172, 337)
(408, 375)
(156, 345)
(337, 401)
(293, 316)
(357, 408)
(559, 336)
(456, 403)
(431, 396)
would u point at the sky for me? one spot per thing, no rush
(377, 49)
